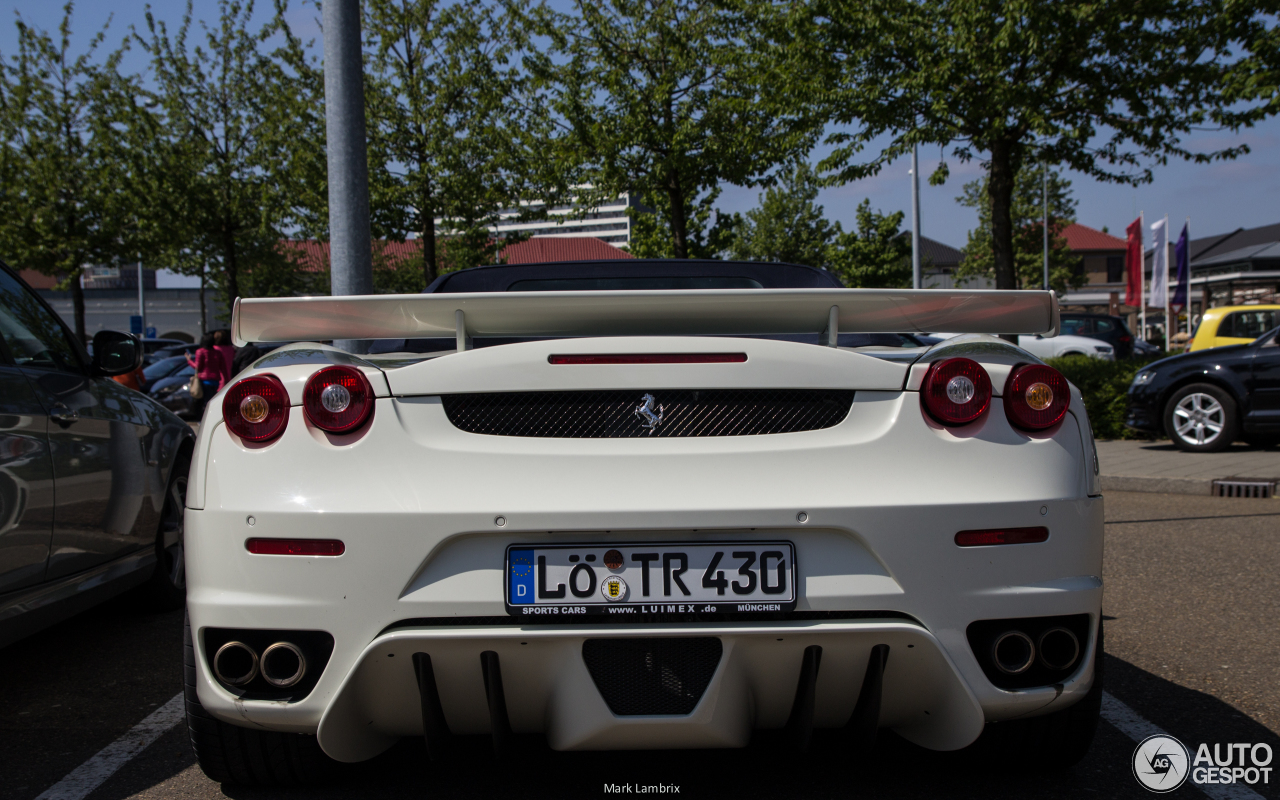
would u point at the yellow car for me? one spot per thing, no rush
(1234, 325)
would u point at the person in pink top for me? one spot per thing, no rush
(222, 343)
(211, 369)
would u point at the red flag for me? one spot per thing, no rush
(1133, 264)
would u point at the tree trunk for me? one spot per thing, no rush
(430, 262)
(204, 314)
(230, 267)
(679, 225)
(77, 303)
(1000, 193)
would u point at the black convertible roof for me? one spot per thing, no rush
(638, 273)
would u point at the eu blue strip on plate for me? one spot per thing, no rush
(521, 571)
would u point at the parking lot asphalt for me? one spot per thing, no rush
(1192, 589)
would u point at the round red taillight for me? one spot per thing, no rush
(338, 399)
(1036, 397)
(257, 408)
(956, 391)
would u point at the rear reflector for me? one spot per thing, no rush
(1002, 536)
(650, 358)
(295, 547)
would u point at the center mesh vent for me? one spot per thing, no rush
(622, 414)
(652, 676)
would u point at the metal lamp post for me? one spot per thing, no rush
(350, 246)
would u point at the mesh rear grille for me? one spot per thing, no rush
(614, 415)
(651, 676)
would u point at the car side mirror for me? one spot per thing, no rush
(116, 353)
(1039, 336)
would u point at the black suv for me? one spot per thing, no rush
(1111, 330)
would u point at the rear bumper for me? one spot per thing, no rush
(935, 691)
(423, 544)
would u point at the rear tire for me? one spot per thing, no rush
(167, 588)
(1047, 743)
(246, 756)
(1201, 418)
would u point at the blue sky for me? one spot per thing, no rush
(1217, 197)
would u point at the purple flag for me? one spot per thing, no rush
(1183, 264)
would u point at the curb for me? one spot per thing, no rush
(1136, 483)
(1200, 486)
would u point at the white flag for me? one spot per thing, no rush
(1159, 264)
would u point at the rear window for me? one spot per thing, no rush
(654, 283)
(1073, 327)
(1247, 324)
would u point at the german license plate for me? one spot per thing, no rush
(631, 579)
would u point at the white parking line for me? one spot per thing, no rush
(1137, 729)
(92, 773)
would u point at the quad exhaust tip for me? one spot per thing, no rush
(235, 664)
(283, 665)
(1013, 652)
(1059, 648)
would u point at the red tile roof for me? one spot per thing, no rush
(37, 280)
(313, 254)
(1082, 237)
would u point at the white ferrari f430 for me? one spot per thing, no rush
(637, 511)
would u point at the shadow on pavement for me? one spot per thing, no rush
(1189, 715)
(72, 689)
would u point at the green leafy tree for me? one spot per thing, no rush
(708, 233)
(662, 98)
(789, 225)
(877, 255)
(220, 102)
(1027, 214)
(61, 208)
(457, 138)
(1107, 88)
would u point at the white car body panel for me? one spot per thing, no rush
(417, 501)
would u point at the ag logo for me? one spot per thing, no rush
(613, 588)
(1160, 763)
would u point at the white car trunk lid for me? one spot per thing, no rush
(527, 367)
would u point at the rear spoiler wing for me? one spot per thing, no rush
(644, 313)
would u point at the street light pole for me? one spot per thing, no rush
(142, 303)
(915, 217)
(1046, 226)
(350, 248)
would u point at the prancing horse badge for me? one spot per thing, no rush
(645, 412)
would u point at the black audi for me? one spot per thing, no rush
(1207, 399)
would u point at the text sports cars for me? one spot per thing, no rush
(646, 518)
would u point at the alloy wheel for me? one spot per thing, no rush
(174, 509)
(1199, 418)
